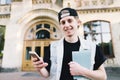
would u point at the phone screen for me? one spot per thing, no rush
(34, 55)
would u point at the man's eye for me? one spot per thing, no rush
(69, 20)
(63, 22)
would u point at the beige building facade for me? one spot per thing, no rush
(32, 24)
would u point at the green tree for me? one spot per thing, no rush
(2, 35)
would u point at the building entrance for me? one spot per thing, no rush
(38, 38)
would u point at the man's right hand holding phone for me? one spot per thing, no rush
(39, 64)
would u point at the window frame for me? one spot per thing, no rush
(107, 47)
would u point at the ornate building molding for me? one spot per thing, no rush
(3, 16)
(41, 1)
(17, 0)
(98, 10)
(5, 11)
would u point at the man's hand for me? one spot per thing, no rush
(76, 69)
(38, 65)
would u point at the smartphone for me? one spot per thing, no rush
(34, 55)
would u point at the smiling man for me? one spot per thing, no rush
(58, 63)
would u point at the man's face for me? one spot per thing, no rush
(69, 25)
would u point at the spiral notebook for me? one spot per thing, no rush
(83, 57)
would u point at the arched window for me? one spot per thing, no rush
(42, 34)
(42, 31)
(99, 32)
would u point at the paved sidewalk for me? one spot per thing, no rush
(20, 76)
(112, 73)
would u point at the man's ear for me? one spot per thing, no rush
(79, 23)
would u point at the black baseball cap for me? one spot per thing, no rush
(66, 12)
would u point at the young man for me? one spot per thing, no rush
(58, 64)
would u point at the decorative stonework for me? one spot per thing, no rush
(16, 0)
(4, 16)
(41, 1)
(88, 3)
(96, 2)
(103, 10)
(5, 9)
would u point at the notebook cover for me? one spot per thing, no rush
(82, 57)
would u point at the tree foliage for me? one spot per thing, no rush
(2, 37)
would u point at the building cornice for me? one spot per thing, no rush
(17, 0)
(3, 16)
(98, 10)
